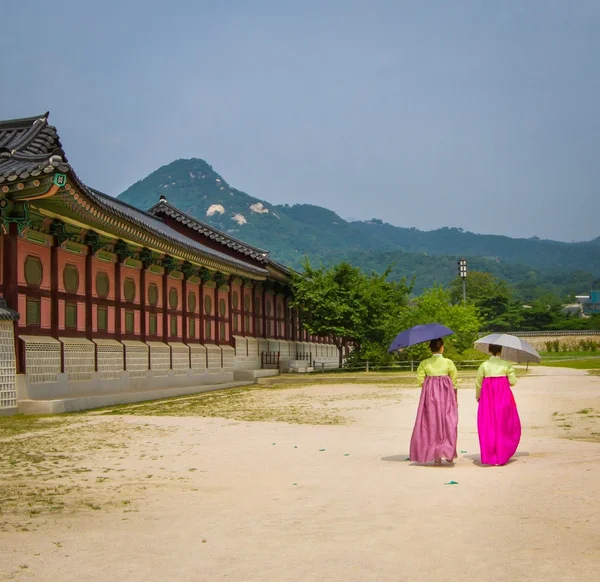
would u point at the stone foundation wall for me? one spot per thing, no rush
(567, 342)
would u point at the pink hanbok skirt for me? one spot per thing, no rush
(498, 422)
(436, 427)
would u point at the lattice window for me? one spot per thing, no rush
(222, 331)
(191, 303)
(153, 294)
(173, 298)
(8, 377)
(153, 324)
(129, 289)
(235, 322)
(129, 322)
(102, 318)
(235, 300)
(269, 327)
(198, 357)
(247, 302)
(222, 308)
(213, 357)
(268, 307)
(227, 357)
(192, 328)
(207, 330)
(71, 278)
(257, 306)
(173, 324)
(160, 359)
(33, 311)
(137, 360)
(207, 304)
(279, 310)
(42, 361)
(79, 361)
(70, 315)
(247, 324)
(180, 356)
(110, 360)
(102, 284)
(34, 271)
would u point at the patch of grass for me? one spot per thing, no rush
(258, 403)
(22, 424)
(578, 364)
(246, 404)
(38, 478)
(566, 355)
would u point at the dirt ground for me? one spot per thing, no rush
(302, 484)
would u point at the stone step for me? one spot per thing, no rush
(100, 400)
(252, 375)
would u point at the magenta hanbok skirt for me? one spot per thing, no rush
(436, 427)
(498, 421)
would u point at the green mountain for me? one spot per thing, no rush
(533, 266)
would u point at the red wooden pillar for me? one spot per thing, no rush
(184, 313)
(230, 311)
(118, 328)
(202, 320)
(54, 291)
(54, 302)
(254, 328)
(11, 287)
(264, 311)
(143, 330)
(89, 330)
(217, 315)
(165, 302)
(243, 308)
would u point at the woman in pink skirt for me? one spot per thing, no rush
(498, 421)
(436, 427)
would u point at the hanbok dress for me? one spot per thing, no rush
(436, 427)
(498, 422)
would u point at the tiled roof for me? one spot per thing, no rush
(30, 147)
(7, 314)
(156, 226)
(163, 207)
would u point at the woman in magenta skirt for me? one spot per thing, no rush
(435, 433)
(498, 420)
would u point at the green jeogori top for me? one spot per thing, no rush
(494, 367)
(437, 365)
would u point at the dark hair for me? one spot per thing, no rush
(494, 349)
(436, 344)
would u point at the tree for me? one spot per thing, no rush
(491, 296)
(342, 302)
(435, 305)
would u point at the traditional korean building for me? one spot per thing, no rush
(103, 303)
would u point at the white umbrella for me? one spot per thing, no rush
(514, 348)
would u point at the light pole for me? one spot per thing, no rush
(462, 273)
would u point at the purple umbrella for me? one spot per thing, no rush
(419, 334)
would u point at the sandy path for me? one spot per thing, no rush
(263, 502)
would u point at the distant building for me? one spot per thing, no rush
(590, 304)
(102, 303)
(573, 309)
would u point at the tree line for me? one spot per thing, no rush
(344, 302)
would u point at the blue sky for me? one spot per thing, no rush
(481, 115)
